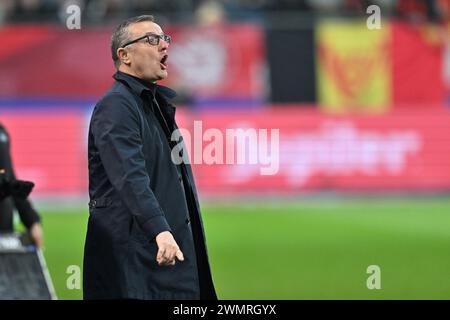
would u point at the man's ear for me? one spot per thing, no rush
(124, 56)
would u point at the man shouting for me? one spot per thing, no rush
(145, 237)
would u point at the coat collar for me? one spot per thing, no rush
(139, 87)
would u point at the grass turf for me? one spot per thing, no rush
(302, 250)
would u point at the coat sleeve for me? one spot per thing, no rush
(27, 213)
(115, 128)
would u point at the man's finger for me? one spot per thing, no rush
(169, 254)
(160, 253)
(159, 256)
(180, 255)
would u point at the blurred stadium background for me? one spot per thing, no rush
(364, 119)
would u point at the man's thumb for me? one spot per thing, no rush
(179, 255)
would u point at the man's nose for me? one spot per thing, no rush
(163, 44)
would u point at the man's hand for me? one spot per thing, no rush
(36, 235)
(168, 249)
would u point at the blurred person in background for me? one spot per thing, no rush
(444, 9)
(29, 10)
(28, 215)
(210, 14)
(145, 237)
(417, 10)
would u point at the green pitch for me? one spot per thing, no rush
(317, 249)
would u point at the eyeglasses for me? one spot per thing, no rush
(152, 38)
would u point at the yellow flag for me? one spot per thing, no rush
(353, 67)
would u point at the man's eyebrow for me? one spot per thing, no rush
(154, 33)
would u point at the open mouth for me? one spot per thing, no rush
(164, 62)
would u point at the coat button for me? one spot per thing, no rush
(187, 221)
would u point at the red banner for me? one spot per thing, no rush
(312, 152)
(417, 66)
(401, 151)
(49, 149)
(221, 62)
(225, 60)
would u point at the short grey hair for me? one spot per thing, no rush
(121, 35)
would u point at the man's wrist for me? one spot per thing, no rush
(155, 226)
(162, 234)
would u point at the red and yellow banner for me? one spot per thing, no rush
(353, 67)
(372, 71)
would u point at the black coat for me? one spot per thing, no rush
(136, 192)
(27, 213)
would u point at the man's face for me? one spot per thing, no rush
(146, 61)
